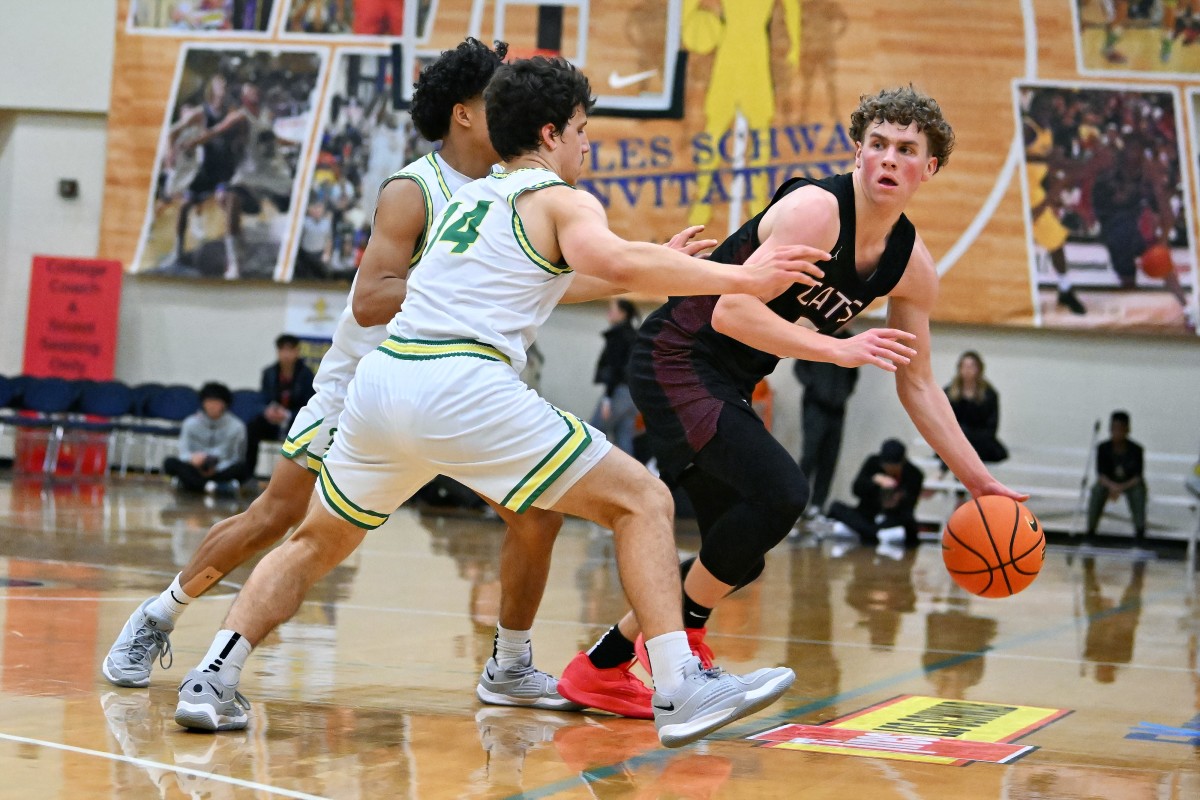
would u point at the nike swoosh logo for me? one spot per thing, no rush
(618, 81)
(491, 677)
(667, 707)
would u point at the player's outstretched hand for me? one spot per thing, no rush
(771, 272)
(885, 348)
(686, 243)
(995, 487)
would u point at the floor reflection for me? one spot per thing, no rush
(368, 691)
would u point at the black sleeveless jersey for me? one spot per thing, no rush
(836, 299)
(682, 371)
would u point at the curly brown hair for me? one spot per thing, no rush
(905, 105)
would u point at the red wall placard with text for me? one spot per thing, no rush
(71, 328)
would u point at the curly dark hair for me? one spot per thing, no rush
(457, 76)
(905, 105)
(525, 95)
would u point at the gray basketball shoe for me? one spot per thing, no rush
(143, 639)
(711, 698)
(207, 704)
(521, 685)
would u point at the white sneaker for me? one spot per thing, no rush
(892, 534)
(710, 698)
(521, 685)
(838, 528)
(889, 550)
(210, 487)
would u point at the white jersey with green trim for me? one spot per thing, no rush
(479, 277)
(351, 341)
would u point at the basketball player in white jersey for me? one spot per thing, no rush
(441, 395)
(447, 105)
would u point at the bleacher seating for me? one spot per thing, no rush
(1057, 480)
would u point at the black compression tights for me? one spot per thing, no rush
(747, 492)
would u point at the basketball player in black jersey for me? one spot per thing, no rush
(697, 360)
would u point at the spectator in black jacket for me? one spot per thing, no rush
(888, 487)
(286, 386)
(827, 389)
(615, 413)
(1119, 471)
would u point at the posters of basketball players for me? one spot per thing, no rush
(227, 171)
(201, 17)
(362, 139)
(1107, 207)
(1135, 37)
(350, 18)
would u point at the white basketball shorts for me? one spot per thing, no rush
(418, 409)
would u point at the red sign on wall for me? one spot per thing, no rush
(71, 328)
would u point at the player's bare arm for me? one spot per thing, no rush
(576, 228)
(587, 287)
(227, 122)
(809, 214)
(909, 308)
(383, 272)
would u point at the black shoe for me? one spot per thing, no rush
(1067, 299)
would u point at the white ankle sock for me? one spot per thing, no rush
(171, 604)
(227, 656)
(512, 647)
(670, 655)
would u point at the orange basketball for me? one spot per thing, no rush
(993, 546)
(1156, 261)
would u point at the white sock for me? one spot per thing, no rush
(1064, 283)
(512, 647)
(171, 604)
(670, 657)
(227, 656)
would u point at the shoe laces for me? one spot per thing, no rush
(147, 638)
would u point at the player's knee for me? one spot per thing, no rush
(269, 518)
(651, 497)
(538, 524)
(788, 500)
(751, 576)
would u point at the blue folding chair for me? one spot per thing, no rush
(164, 412)
(105, 407)
(44, 405)
(247, 404)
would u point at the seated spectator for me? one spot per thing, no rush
(212, 446)
(286, 386)
(976, 405)
(888, 487)
(1119, 464)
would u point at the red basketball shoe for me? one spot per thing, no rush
(614, 690)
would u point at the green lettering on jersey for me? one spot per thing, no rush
(463, 230)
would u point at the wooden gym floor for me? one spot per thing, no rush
(368, 692)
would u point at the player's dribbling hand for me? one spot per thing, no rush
(685, 242)
(878, 347)
(995, 487)
(771, 272)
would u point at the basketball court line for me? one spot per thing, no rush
(741, 730)
(148, 764)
